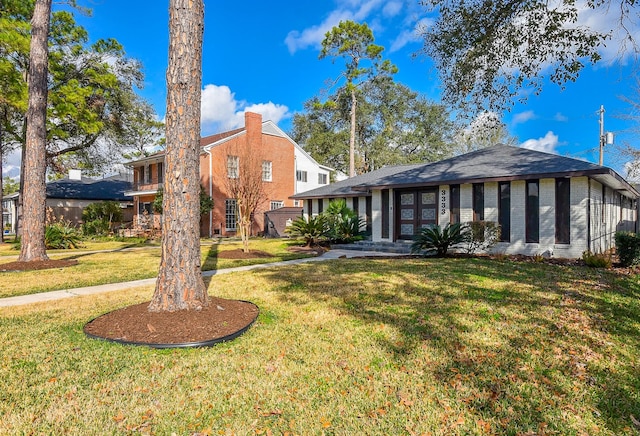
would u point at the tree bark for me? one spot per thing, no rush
(352, 136)
(35, 167)
(179, 285)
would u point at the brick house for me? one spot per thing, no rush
(260, 147)
(545, 204)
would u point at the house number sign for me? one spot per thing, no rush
(443, 202)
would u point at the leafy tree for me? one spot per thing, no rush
(394, 126)
(10, 186)
(484, 131)
(354, 42)
(98, 218)
(34, 193)
(93, 112)
(179, 285)
(487, 51)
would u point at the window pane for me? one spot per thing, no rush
(454, 193)
(504, 211)
(563, 211)
(478, 201)
(532, 212)
(230, 214)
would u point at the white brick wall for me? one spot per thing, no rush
(466, 202)
(491, 201)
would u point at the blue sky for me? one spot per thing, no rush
(263, 56)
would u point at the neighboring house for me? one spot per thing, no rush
(9, 212)
(284, 166)
(67, 198)
(544, 203)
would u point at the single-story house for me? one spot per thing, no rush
(544, 203)
(67, 197)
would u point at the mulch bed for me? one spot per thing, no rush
(135, 325)
(37, 265)
(239, 254)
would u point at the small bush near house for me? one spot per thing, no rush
(482, 236)
(628, 248)
(313, 229)
(439, 239)
(343, 223)
(595, 260)
(62, 235)
(99, 217)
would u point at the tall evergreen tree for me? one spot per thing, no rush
(179, 285)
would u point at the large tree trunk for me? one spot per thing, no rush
(352, 136)
(179, 285)
(34, 193)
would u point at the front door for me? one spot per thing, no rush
(415, 209)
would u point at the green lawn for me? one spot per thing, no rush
(421, 346)
(127, 261)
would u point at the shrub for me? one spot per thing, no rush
(343, 223)
(61, 235)
(596, 260)
(206, 202)
(439, 239)
(628, 248)
(313, 230)
(482, 236)
(99, 217)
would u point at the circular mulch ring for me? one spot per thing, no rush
(222, 320)
(37, 265)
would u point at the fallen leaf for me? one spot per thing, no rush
(119, 417)
(151, 328)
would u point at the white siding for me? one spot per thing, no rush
(305, 163)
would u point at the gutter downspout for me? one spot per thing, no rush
(588, 213)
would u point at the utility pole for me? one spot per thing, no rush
(605, 138)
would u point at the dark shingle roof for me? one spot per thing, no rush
(112, 188)
(500, 162)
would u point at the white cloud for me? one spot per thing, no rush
(561, 117)
(391, 9)
(411, 35)
(548, 143)
(313, 36)
(523, 117)
(222, 111)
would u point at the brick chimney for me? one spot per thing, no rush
(253, 125)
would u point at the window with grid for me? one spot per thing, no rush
(266, 170)
(233, 163)
(160, 172)
(301, 176)
(230, 214)
(147, 172)
(276, 204)
(322, 179)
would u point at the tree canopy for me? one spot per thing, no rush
(93, 111)
(395, 125)
(487, 51)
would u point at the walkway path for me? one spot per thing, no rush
(70, 293)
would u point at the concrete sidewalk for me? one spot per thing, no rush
(89, 290)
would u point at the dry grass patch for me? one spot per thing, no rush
(461, 347)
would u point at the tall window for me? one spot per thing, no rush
(454, 204)
(266, 170)
(563, 211)
(322, 179)
(141, 178)
(276, 204)
(478, 201)
(321, 205)
(233, 163)
(230, 214)
(301, 176)
(532, 211)
(356, 205)
(160, 172)
(504, 210)
(385, 213)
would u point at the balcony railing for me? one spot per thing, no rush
(144, 186)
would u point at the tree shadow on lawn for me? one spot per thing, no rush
(528, 346)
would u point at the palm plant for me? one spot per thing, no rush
(344, 224)
(439, 239)
(313, 229)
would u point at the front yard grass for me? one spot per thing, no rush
(128, 261)
(349, 346)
